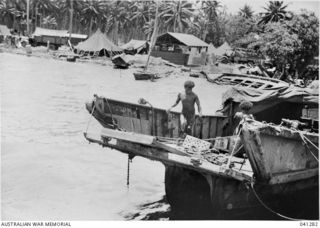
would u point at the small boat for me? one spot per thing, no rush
(71, 58)
(145, 76)
(274, 176)
(119, 62)
(244, 80)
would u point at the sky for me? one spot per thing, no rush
(233, 6)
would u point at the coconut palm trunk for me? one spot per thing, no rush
(154, 35)
(71, 19)
(28, 23)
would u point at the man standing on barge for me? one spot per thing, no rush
(188, 99)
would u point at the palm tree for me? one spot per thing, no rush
(246, 11)
(118, 19)
(275, 11)
(140, 16)
(8, 12)
(199, 27)
(92, 13)
(210, 9)
(176, 15)
(49, 22)
(42, 8)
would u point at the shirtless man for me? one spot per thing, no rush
(188, 98)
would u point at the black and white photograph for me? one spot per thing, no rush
(166, 111)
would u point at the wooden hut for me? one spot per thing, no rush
(178, 47)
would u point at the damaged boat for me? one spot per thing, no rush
(267, 171)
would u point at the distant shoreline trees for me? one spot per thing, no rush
(283, 36)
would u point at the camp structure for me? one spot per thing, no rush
(180, 48)
(136, 47)
(274, 104)
(56, 38)
(211, 54)
(98, 44)
(224, 49)
(4, 32)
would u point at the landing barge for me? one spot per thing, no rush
(268, 171)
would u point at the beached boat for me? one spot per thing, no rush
(245, 80)
(275, 176)
(120, 62)
(144, 75)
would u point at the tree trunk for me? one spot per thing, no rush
(28, 9)
(70, 20)
(90, 26)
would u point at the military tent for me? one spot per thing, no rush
(211, 54)
(136, 47)
(98, 42)
(211, 49)
(4, 31)
(223, 49)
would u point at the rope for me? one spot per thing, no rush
(304, 139)
(233, 149)
(269, 209)
(128, 171)
(114, 123)
(90, 118)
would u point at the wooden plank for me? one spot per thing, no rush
(205, 127)
(136, 125)
(128, 136)
(158, 124)
(213, 126)
(196, 128)
(125, 123)
(151, 123)
(293, 176)
(176, 124)
(220, 125)
(145, 126)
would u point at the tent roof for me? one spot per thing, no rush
(97, 42)
(4, 30)
(223, 49)
(80, 36)
(211, 49)
(187, 39)
(284, 93)
(50, 32)
(134, 44)
(59, 33)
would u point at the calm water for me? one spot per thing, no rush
(49, 171)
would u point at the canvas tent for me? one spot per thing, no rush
(4, 31)
(98, 42)
(273, 104)
(136, 47)
(223, 49)
(211, 49)
(211, 54)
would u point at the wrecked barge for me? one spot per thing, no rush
(272, 175)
